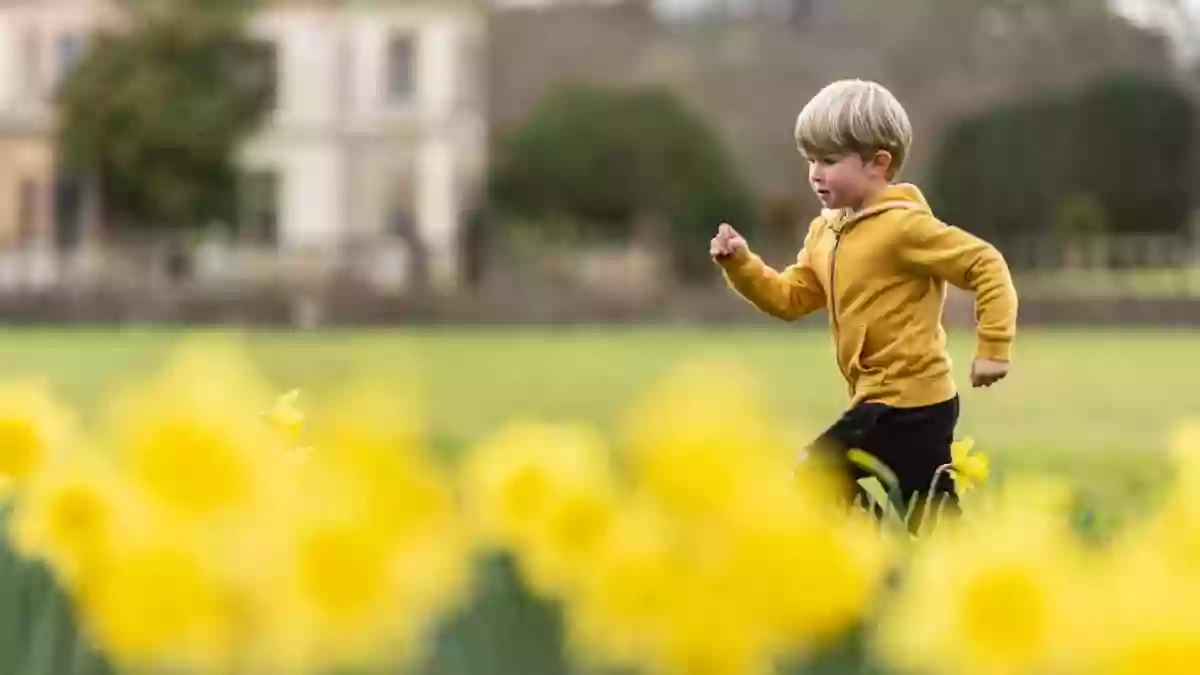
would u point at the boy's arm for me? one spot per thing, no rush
(787, 295)
(970, 263)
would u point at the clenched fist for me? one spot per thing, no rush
(727, 242)
(986, 372)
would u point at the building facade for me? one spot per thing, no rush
(39, 42)
(378, 128)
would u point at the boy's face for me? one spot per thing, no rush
(845, 181)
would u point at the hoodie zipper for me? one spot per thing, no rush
(837, 241)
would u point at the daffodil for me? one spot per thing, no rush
(34, 427)
(70, 516)
(717, 561)
(372, 526)
(617, 610)
(990, 597)
(368, 458)
(546, 492)
(330, 600)
(696, 615)
(1145, 608)
(1152, 580)
(188, 548)
(328, 592)
(190, 436)
(803, 574)
(158, 602)
(197, 464)
(968, 468)
(701, 440)
(1185, 441)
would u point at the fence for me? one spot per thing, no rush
(1136, 266)
(1116, 280)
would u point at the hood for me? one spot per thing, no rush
(899, 196)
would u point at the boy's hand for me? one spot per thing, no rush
(727, 242)
(986, 372)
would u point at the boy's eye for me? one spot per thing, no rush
(826, 160)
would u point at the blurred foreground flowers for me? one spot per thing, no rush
(194, 531)
(202, 523)
(687, 549)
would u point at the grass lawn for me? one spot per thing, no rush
(1144, 282)
(1097, 405)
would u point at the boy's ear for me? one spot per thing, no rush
(882, 159)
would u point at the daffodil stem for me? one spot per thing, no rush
(937, 477)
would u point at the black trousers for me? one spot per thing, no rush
(913, 442)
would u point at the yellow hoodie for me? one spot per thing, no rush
(882, 273)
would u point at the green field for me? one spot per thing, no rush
(1097, 406)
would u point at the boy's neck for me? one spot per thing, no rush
(871, 197)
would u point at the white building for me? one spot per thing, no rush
(378, 128)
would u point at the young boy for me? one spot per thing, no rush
(879, 260)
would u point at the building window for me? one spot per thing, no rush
(401, 68)
(258, 213)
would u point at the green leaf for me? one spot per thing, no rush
(881, 471)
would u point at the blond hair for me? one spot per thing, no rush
(855, 116)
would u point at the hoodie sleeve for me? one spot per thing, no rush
(970, 263)
(788, 295)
